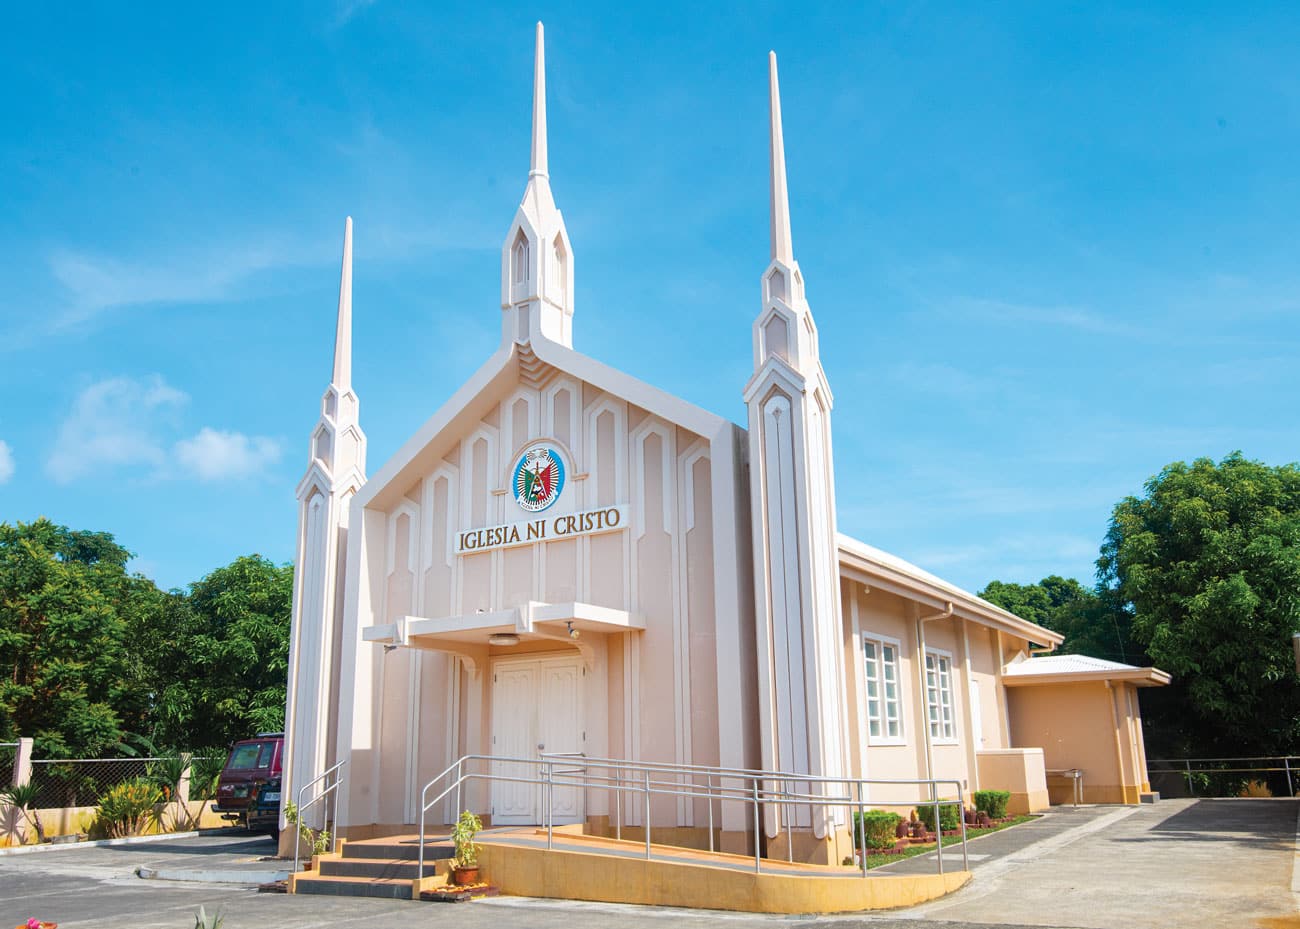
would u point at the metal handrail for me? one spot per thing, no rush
(300, 807)
(755, 793)
(1184, 767)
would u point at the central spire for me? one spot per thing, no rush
(538, 165)
(343, 333)
(536, 259)
(782, 249)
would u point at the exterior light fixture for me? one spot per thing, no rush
(503, 638)
(573, 633)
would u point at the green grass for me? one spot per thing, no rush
(875, 861)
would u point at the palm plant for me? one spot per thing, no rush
(205, 770)
(166, 773)
(24, 797)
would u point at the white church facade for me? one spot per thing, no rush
(566, 559)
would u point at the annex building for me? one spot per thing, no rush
(565, 559)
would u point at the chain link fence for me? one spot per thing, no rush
(82, 781)
(8, 755)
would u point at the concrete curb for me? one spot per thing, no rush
(97, 843)
(211, 877)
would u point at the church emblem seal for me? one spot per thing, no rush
(539, 478)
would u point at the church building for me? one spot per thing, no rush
(564, 559)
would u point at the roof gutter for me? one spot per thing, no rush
(886, 577)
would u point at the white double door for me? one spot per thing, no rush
(536, 708)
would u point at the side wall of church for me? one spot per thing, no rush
(652, 694)
(976, 696)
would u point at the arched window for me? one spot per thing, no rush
(519, 260)
(561, 272)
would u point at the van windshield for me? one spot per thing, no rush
(251, 755)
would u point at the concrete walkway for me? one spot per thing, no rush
(1221, 863)
(1181, 863)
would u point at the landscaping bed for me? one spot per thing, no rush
(910, 848)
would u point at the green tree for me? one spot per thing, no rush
(1092, 621)
(1207, 563)
(64, 599)
(228, 678)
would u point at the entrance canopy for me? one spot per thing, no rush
(469, 636)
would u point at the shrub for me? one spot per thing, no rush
(318, 840)
(993, 802)
(881, 828)
(949, 816)
(128, 808)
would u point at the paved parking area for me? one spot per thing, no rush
(1222, 863)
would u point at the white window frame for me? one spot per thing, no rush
(940, 714)
(883, 668)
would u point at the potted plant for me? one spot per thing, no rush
(465, 864)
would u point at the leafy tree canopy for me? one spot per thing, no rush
(1207, 562)
(94, 660)
(1091, 620)
(63, 596)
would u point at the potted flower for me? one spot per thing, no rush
(465, 864)
(37, 924)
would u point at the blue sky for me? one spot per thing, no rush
(1050, 247)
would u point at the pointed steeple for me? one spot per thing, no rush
(536, 259)
(782, 248)
(538, 165)
(343, 333)
(792, 514)
(336, 470)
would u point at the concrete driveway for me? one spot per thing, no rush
(1221, 863)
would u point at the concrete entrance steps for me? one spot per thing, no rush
(385, 867)
(582, 867)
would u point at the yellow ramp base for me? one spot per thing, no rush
(570, 873)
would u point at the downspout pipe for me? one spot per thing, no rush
(945, 613)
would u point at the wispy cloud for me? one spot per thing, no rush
(1064, 317)
(213, 455)
(115, 423)
(6, 462)
(94, 283)
(128, 424)
(345, 10)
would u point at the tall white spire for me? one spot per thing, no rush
(343, 332)
(802, 725)
(782, 249)
(536, 258)
(336, 470)
(538, 163)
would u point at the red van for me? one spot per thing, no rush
(248, 791)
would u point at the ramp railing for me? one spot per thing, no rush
(790, 801)
(323, 797)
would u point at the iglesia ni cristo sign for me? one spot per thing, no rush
(545, 529)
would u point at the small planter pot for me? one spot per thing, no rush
(463, 876)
